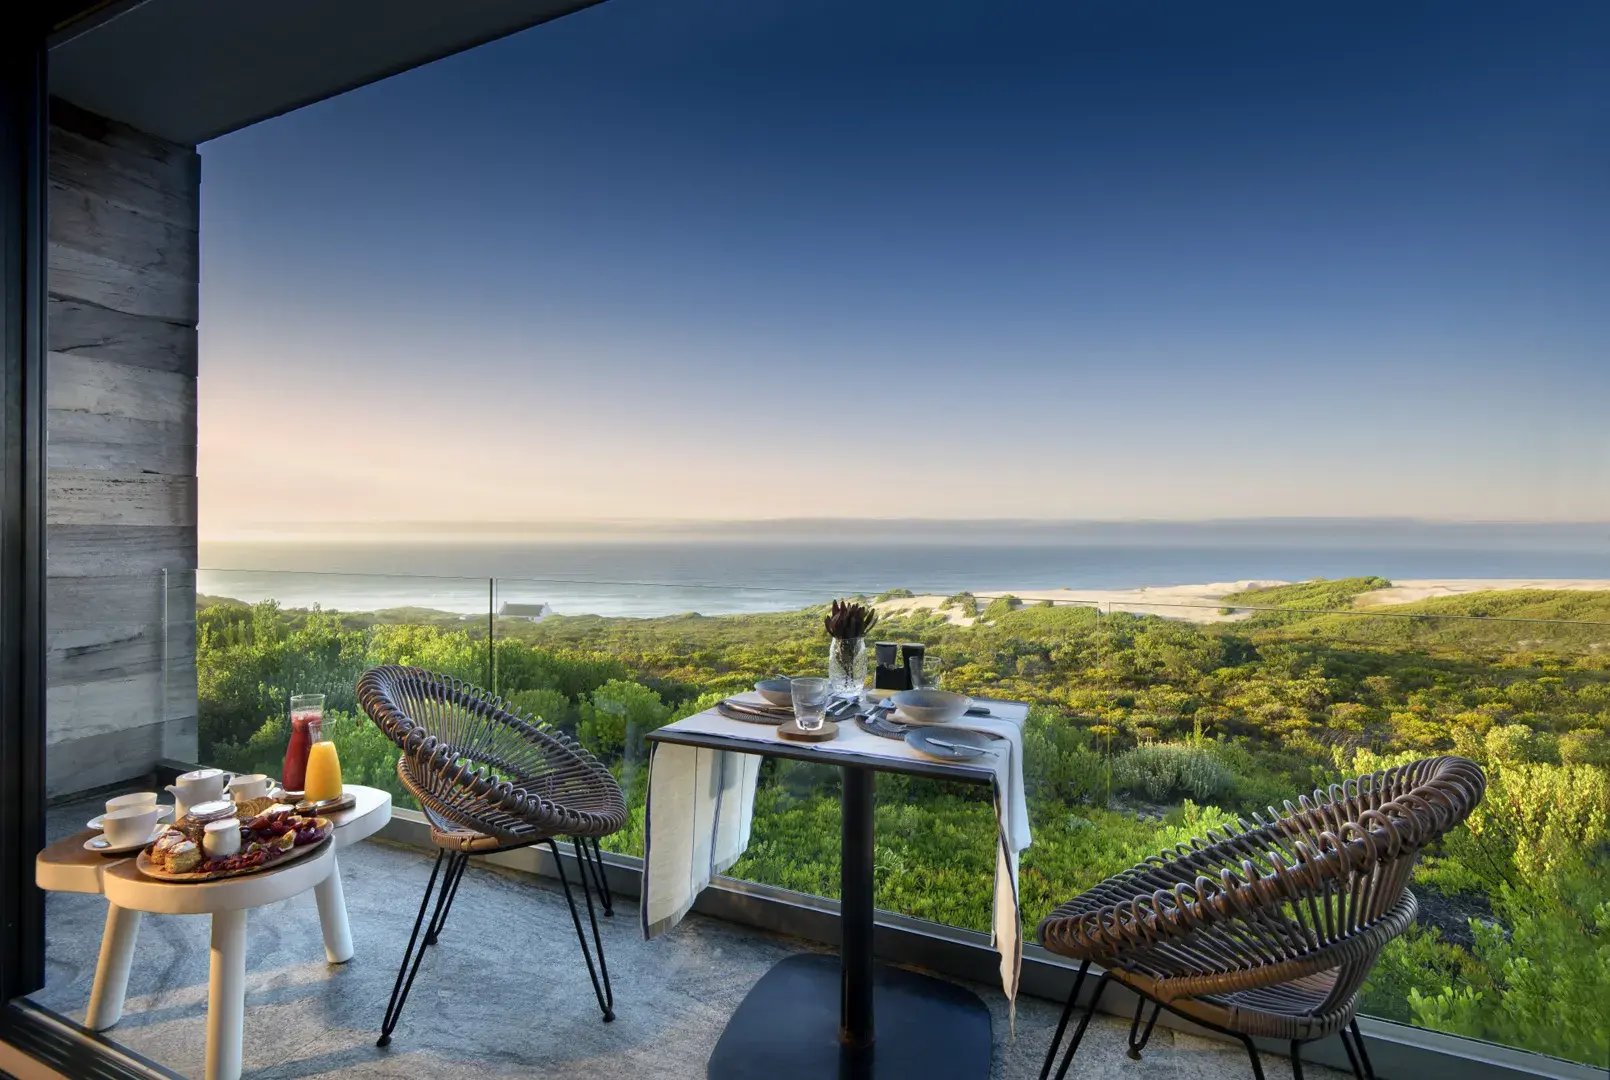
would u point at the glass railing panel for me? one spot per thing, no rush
(611, 679)
(611, 662)
(180, 702)
(265, 635)
(1149, 724)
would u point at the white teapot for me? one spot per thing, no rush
(199, 786)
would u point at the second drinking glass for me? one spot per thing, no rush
(810, 702)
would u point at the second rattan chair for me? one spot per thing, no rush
(489, 780)
(1270, 930)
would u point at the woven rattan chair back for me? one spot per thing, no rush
(476, 762)
(1267, 929)
(1319, 886)
(1270, 928)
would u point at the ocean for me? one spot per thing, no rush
(723, 574)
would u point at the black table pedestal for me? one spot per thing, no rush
(814, 1018)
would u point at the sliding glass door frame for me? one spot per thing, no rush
(23, 147)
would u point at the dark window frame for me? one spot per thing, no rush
(54, 1041)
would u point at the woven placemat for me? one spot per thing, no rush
(752, 716)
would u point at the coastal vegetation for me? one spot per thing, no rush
(1143, 732)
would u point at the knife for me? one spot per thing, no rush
(959, 747)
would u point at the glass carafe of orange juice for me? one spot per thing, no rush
(323, 765)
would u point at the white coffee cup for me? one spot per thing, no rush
(249, 786)
(124, 802)
(221, 839)
(130, 825)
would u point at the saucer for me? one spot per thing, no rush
(164, 810)
(100, 846)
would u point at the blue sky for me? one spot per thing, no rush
(723, 259)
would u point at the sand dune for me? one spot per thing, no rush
(1204, 603)
(1408, 591)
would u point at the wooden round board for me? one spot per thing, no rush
(151, 870)
(792, 730)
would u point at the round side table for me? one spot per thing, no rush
(66, 867)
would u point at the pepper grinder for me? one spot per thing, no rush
(890, 674)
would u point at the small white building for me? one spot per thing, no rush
(528, 612)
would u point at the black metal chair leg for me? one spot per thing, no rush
(600, 878)
(1363, 1054)
(1140, 1006)
(1252, 1052)
(1084, 1022)
(400, 988)
(603, 992)
(1296, 1060)
(1062, 1025)
(1352, 1058)
(455, 873)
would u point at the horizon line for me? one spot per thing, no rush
(255, 532)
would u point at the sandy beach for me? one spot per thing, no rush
(1204, 603)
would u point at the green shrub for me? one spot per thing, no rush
(548, 705)
(615, 720)
(1513, 744)
(1585, 746)
(1060, 765)
(1000, 606)
(1162, 772)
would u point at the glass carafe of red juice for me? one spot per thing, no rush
(307, 714)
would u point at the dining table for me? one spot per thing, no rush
(67, 866)
(812, 1015)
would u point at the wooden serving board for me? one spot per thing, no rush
(150, 869)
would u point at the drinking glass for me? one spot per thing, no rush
(927, 674)
(810, 702)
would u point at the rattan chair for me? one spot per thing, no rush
(1269, 930)
(489, 780)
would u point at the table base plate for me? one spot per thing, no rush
(788, 1028)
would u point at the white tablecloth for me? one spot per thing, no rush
(701, 804)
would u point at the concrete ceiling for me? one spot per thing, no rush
(190, 70)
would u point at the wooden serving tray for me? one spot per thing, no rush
(150, 869)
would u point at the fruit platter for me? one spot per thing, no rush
(266, 841)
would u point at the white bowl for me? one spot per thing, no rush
(930, 706)
(777, 691)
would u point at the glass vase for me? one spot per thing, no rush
(846, 666)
